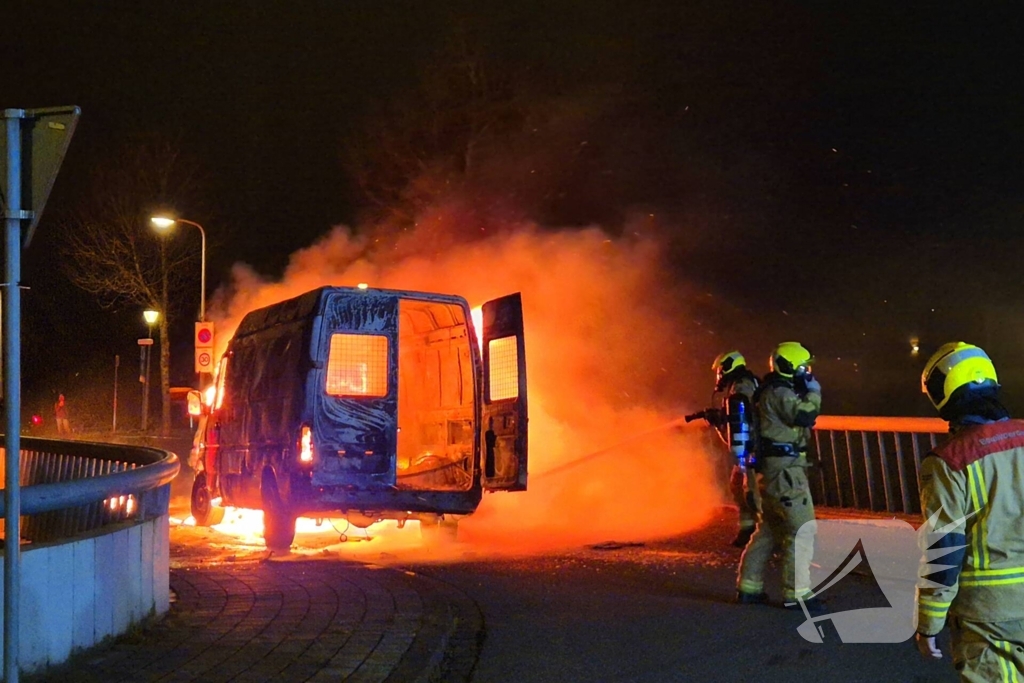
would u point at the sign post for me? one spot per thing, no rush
(31, 151)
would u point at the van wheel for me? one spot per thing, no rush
(203, 509)
(278, 521)
(439, 531)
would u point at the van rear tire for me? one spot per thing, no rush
(278, 520)
(203, 510)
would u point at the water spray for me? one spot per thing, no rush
(679, 422)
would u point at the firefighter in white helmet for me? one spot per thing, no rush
(972, 499)
(787, 405)
(734, 423)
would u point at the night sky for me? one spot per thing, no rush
(830, 172)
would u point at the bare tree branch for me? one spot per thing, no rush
(111, 249)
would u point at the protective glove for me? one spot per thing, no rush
(812, 384)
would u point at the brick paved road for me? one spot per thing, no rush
(297, 621)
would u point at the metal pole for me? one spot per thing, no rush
(149, 362)
(12, 396)
(145, 389)
(202, 278)
(117, 363)
(202, 274)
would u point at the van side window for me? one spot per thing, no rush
(504, 368)
(358, 365)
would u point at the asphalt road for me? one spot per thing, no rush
(652, 611)
(384, 608)
(658, 612)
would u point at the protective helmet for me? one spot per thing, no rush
(727, 362)
(789, 359)
(956, 365)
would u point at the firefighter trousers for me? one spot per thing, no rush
(988, 651)
(744, 498)
(786, 506)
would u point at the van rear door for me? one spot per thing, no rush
(504, 414)
(356, 390)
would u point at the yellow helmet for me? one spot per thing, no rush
(790, 358)
(955, 365)
(727, 362)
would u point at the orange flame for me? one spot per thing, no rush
(477, 314)
(607, 358)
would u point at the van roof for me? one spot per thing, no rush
(306, 305)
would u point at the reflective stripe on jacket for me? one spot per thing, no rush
(974, 485)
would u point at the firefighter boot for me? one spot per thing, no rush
(813, 605)
(744, 598)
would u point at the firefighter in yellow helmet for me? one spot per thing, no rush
(734, 423)
(787, 405)
(972, 499)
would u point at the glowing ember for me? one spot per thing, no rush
(243, 524)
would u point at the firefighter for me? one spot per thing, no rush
(787, 405)
(734, 424)
(972, 499)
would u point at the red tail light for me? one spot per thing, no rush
(306, 445)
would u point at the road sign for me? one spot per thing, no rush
(204, 347)
(45, 134)
(145, 342)
(204, 360)
(204, 335)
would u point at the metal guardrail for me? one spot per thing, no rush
(72, 487)
(872, 463)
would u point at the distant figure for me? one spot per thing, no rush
(60, 410)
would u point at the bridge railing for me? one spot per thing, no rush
(872, 463)
(73, 487)
(95, 561)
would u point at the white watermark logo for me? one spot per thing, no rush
(881, 555)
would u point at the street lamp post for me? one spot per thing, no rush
(146, 345)
(163, 223)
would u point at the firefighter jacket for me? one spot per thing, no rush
(745, 384)
(974, 485)
(784, 416)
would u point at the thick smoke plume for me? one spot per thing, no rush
(609, 350)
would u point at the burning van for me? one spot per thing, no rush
(365, 403)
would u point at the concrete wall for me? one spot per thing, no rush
(74, 595)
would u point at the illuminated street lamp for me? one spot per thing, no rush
(164, 223)
(145, 350)
(151, 317)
